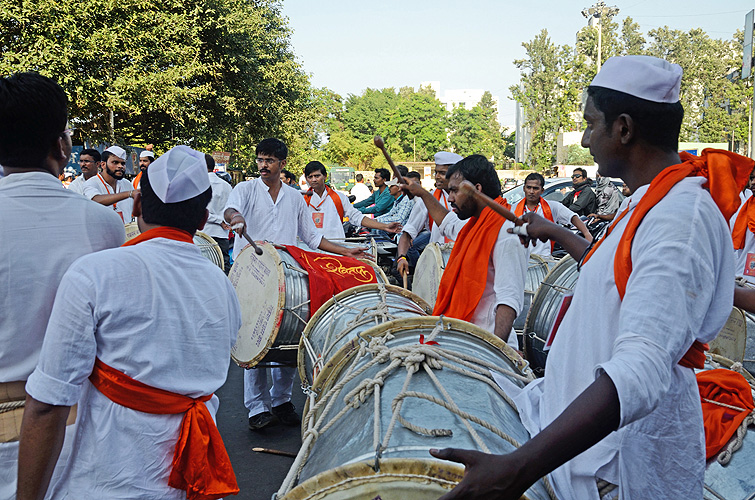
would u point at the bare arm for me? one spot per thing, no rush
(393, 227)
(434, 208)
(504, 319)
(402, 265)
(42, 432)
(109, 199)
(581, 227)
(744, 298)
(329, 246)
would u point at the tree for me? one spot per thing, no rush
(477, 131)
(632, 41)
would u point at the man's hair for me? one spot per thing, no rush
(289, 175)
(186, 215)
(414, 175)
(272, 147)
(534, 176)
(384, 173)
(210, 161)
(359, 177)
(313, 167)
(658, 123)
(581, 171)
(402, 169)
(91, 152)
(33, 115)
(478, 170)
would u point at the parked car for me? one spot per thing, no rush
(555, 189)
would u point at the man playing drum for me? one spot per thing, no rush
(43, 228)
(144, 366)
(276, 213)
(619, 401)
(483, 282)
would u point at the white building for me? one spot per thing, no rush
(468, 98)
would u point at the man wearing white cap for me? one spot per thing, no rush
(420, 229)
(619, 401)
(143, 367)
(109, 188)
(145, 158)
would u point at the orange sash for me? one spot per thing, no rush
(334, 196)
(727, 174)
(137, 179)
(437, 194)
(464, 279)
(745, 220)
(201, 465)
(721, 422)
(519, 211)
(168, 232)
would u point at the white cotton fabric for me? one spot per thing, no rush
(507, 270)
(172, 329)
(77, 185)
(332, 225)
(179, 175)
(117, 151)
(446, 158)
(96, 185)
(43, 229)
(360, 191)
(419, 218)
(680, 290)
(561, 215)
(278, 222)
(646, 77)
(221, 190)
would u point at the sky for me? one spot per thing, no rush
(350, 45)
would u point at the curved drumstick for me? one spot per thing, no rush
(380, 144)
(468, 189)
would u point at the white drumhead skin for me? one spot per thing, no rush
(132, 230)
(261, 288)
(429, 270)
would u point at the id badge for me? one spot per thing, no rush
(318, 218)
(565, 303)
(750, 265)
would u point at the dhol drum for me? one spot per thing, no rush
(205, 243)
(546, 303)
(731, 340)
(749, 356)
(374, 399)
(273, 291)
(429, 270)
(537, 269)
(346, 315)
(729, 476)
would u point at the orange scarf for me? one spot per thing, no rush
(721, 422)
(519, 211)
(201, 465)
(137, 179)
(168, 232)
(727, 174)
(464, 279)
(437, 194)
(333, 196)
(745, 220)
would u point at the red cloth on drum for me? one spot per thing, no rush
(730, 388)
(330, 274)
(745, 221)
(727, 174)
(465, 276)
(201, 466)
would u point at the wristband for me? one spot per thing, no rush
(401, 257)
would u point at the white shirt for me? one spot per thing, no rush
(280, 222)
(741, 256)
(680, 290)
(96, 185)
(561, 215)
(419, 220)
(77, 185)
(507, 270)
(325, 208)
(361, 191)
(221, 190)
(183, 348)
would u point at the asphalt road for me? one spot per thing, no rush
(259, 475)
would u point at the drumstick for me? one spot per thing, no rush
(468, 188)
(405, 275)
(380, 144)
(275, 452)
(257, 249)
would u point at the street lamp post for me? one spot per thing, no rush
(599, 11)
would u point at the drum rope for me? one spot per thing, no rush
(412, 357)
(11, 405)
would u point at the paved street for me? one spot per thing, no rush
(259, 474)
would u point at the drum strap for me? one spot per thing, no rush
(727, 404)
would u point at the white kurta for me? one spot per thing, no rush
(561, 215)
(172, 329)
(77, 185)
(419, 220)
(332, 226)
(43, 229)
(507, 270)
(221, 190)
(360, 191)
(96, 185)
(680, 290)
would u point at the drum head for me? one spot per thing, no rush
(209, 248)
(730, 341)
(260, 286)
(132, 230)
(429, 271)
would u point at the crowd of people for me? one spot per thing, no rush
(109, 383)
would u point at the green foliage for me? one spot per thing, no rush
(577, 155)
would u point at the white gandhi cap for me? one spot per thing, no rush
(117, 151)
(146, 154)
(179, 174)
(446, 158)
(646, 77)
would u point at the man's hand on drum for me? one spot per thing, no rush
(498, 477)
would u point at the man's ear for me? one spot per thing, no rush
(478, 187)
(623, 127)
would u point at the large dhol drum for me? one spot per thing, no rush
(365, 434)
(205, 243)
(546, 303)
(537, 270)
(348, 314)
(132, 230)
(273, 291)
(429, 270)
(732, 480)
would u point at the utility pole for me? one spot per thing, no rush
(747, 73)
(598, 12)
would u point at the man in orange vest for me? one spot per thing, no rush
(144, 376)
(146, 157)
(619, 402)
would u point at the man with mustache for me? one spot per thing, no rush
(89, 162)
(146, 157)
(109, 188)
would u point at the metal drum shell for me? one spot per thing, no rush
(537, 270)
(429, 270)
(734, 481)
(336, 310)
(353, 438)
(749, 357)
(209, 248)
(544, 309)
